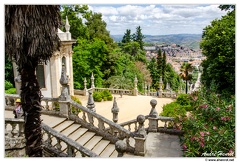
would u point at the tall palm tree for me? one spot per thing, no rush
(185, 70)
(31, 38)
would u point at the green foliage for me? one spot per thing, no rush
(74, 110)
(103, 95)
(185, 101)
(8, 71)
(185, 70)
(218, 45)
(8, 85)
(173, 109)
(127, 36)
(210, 128)
(11, 91)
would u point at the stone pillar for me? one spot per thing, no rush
(92, 82)
(64, 98)
(90, 106)
(121, 147)
(160, 87)
(85, 87)
(140, 137)
(135, 91)
(153, 117)
(115, 111)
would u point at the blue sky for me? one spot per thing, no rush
(157, 19)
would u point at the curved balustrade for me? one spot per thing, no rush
(115, 91)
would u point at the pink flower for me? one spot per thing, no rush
(217, 109)
(214, 127)
(202, 134)
(207, 133)
(228, 118)
(192, 138)
(223, 118)
(203, 106)
(184, 146)
(202, 144)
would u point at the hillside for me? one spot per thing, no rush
(186, 40)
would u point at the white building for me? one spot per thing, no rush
(49, 75)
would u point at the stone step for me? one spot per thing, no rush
(114, 154)
(63, 126)
(98, 149)
(71, 129)
(85, 138)
(107, 152)
(90, 144)
(78, 133)
(52, 121)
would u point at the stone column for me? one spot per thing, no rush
(135, 91)
(115, 111)
(145, 88)
(92, 82)
(153, 117)
(90, 106)
(85, 87)
(140, 137)
(160, 87)
(64, 98)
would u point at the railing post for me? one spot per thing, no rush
(145, 88)
(135, 90)
(153, 117)
(115, 111)
(92, 82)
(90, 106)
(140, 138)
(148, 89)
(64, 98)
(85, 87)
(160, 87)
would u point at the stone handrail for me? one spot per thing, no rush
(56, 143)
(102, 126)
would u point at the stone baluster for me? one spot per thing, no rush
(64, 98)
(121, 147)
(85, 87)
(140, 137)
(153, 117)
(92, 82)
(135, 91)
(90, 106)
(115, 111)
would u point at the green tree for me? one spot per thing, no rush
(30, 38)
(164, 62)
(138, 37)
(9, 70)
(74, 14)
(159, 63)
(218, 45)
(185, 70)
(154, 72)
(127, 36)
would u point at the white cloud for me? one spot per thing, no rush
(158, 19)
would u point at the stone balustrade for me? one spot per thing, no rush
(14, 137)
(58, 145)
(115, 91)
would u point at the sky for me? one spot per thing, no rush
(157, 19)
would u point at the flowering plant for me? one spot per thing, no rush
(210, 128)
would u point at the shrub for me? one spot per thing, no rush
(185, 101)
(97, 96)
(11, 91)
(8, 85)
(77, 85)
(210, 128)
(173, 109)
(104, 95)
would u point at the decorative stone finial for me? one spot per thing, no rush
(121, 147)
(92, 81)
(153, 112)
(141, 131)
(90, 104)
(115, 108)
(67, 26)
(64, 78)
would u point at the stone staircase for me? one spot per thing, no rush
(82, 135)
